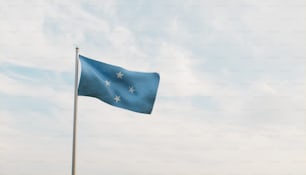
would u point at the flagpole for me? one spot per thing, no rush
(75, 110)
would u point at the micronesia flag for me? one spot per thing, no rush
(135, 91)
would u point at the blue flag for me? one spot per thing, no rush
(135, 91)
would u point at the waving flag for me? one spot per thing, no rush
(135, 91)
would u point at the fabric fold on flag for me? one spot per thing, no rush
(135, 91)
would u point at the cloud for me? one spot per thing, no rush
(230, 91)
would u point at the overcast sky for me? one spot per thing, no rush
(231, 99)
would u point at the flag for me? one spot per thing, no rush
(135, 91)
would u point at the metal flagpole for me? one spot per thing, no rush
(75, 110)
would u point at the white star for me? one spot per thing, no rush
(119, 75)
(107, 83)
(131, 89)
(117, 99)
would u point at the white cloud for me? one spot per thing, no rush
(242, 115)
(178, 76)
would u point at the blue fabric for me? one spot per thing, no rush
(135, 91)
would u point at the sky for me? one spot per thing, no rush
(231, 99)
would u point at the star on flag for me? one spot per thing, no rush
(120, 75)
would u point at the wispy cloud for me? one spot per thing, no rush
(230, 100)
